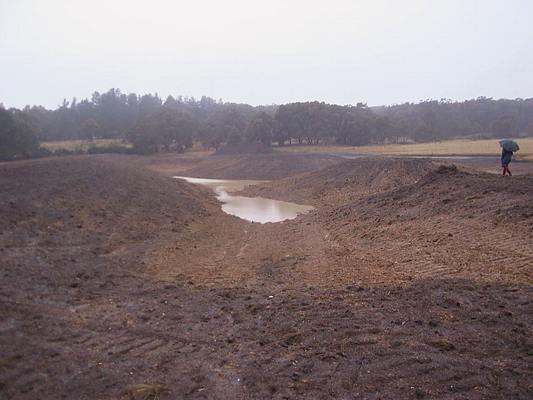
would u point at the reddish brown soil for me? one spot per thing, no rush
(247, 166)
(410, 280)
(345, 181)
(244, 148)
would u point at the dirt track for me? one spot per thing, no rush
(411, 280)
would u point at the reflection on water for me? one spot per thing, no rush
(255, 209)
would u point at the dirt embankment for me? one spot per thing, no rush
(410, 281)
(343, 182)
(74, 233)
(68, 224)
(413, 219)
(90, 196)
(257, 166)
(448, 223)
(239, 166)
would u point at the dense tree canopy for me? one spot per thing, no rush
(17, 139)
(426, 121)
(152, 124)
(165, 129)
(261, 129)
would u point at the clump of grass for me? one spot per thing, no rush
(145, 391)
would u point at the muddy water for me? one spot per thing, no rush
(254, 209)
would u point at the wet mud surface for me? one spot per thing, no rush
(394, 288)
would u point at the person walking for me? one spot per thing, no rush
(508, 148)
(507, 156)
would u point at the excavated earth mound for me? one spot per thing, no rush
(448, 223)
(345, 181)
(74, 232)
(89, 201)
(412, 219)
(259, 166)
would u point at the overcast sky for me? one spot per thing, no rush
(264, 52)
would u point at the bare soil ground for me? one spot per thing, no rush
(411, 280)
(245, 166)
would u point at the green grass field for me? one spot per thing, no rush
(445, 148)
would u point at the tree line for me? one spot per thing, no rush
(431, 120)
(151, 124)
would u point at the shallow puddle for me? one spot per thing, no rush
(254, 209)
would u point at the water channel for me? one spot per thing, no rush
(254, 209)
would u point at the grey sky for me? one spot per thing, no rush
(263, 52)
